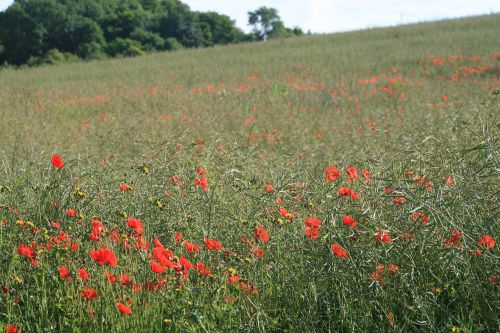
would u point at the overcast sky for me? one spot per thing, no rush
(343, 15)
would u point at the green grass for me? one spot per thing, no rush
(254, 114)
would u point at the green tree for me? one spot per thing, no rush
(264, 20)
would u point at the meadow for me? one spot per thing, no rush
(327, 183)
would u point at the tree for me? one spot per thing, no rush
(264, 20)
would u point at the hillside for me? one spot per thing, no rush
(343, 182)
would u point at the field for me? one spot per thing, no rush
(341, 183)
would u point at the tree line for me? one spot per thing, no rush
(35, 32)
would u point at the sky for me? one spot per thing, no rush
(324, 16)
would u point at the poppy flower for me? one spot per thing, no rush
(202, 182)
(11, 328)
(449, 180)
(383, 236)
(190, 247)
(89, 293)
(71, 212)
(331, 173)
(213, 245)
(338, 251)
(258, 252)
(454, 239)
(124, 309)
(157, 268)
(104, 256)
(135, 224)
(64, 273)
(178, 237)
(415, 216)
(352, 174)
(261, 233)
(124, 187)
(312, 227)
(399, 200)
(202, 269)
(269, 188)
(367, 176)
(110, 277)
(97, 230)
(350, 221)
(82, 273)
(284, 213)
(486, 241)
(57, 161)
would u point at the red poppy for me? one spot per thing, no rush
(178, 237)
(124, 187)
(367, 176)
(350, 221)
(213, 245)
(338, 251)
(190, 247)
(11, 328)
(348, 192)
(89, 293)
(157, 268)
(284, 213)
(64, 273)
(175, 179)
(331, 173)
(82, 273)
(312, 227)
(419, 215)
(110, 277)
(399, 200)
(454, 239)
(124, 309)
(202, 182)
(97, 230)
(202, 269)
(383, 236)
(449, 181)
(261, 233)
(57, 161)
(258, 252)
(104, 256)
(135, 224)
(486, 241)
(352, 174)
(269, 188)
(71, 212)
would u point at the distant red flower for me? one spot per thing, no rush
(178, 237)
(57, 161)
(312, 227)
(202, 182)
(135, 224)
(124, 309)
(157, 268)
(201, 172)
(399, 200)
(338, 251)
(104, 256)
(213, 245)
(444, 98)
(175, 179)
(454, 239)
(348, 192)
(352, 174)
(486, 241)
(350, 221)
(331, 173)
(190, 247)
(258, 252)
(82, 273)
(269, 188)
(71, 212)
(449, 181)
(110, 277)
(97, 230)
(89, 293)
(202, 269)
(419, 215)
(367, 176)
(383, 236)
(261, 233)
(284, 213)
(11, 328)
(388, 190)
(124, 187)
(64, 273)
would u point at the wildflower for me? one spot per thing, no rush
(110, 277)
(415, 216)
(202, 182)
(97, 230)
(178, 237)
(352, 174)
(11, 328)
(312, 227)
(71, 212)
(448, 181)
(124, 187)
(331, 173)
(284, 213)
(103, 256)
(64, 273)
(190, 247)
(338, 251)
(399, 200)
(135, 224)
(82, 273)
(157, 268)
(202, 269)
(486, 241)
(124, 309)
(454, 239)
(350, 222)
(269, 188)
(367, 176)
(348, 192)
(57, 161)
(383, 236)
(261, 233)
(89, 293)
(213, 245)
(175, 179)
(258, 252)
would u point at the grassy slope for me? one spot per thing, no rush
(274, 112)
